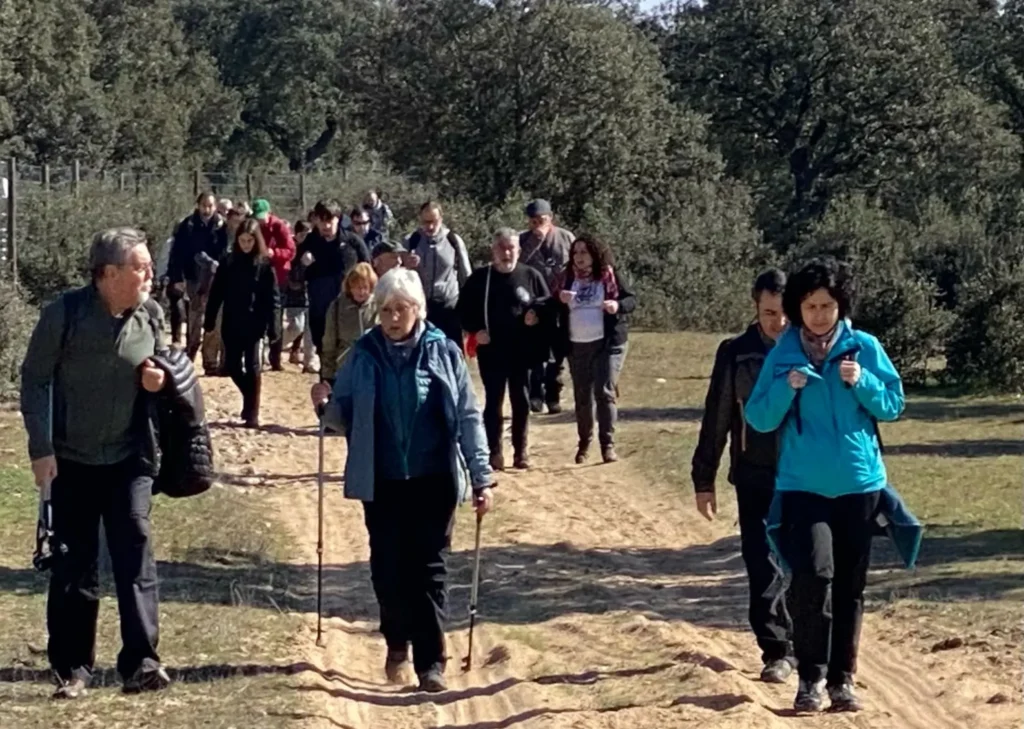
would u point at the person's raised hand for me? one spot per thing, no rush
(797, 379)
(483, 500)
(566, 296)
(44, 470)
(531, 318)
(611, 306)
(849, 372)
(707, 504)
(153, 378)
(483, 338)
(307, 259)
(411, 260)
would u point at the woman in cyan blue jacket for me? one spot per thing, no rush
(825, 386)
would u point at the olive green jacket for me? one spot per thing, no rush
(80, 383)
(346, 322)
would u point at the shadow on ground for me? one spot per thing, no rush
(959, 448)
(528, 583)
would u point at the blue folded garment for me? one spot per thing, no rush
(892, 519)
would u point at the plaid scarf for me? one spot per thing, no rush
(611, 286)
(817, 346)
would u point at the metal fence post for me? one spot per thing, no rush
(196, 182)
(12, 217)
(248, 187)
(46, 178)
(76, 177)
(302, 193)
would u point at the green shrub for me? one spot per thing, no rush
(985, 348)
(17, 318)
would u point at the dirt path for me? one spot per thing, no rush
(605, 602)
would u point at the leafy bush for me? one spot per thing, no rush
(17, 318)
(895, 301)
(986, 343)
(694, 267)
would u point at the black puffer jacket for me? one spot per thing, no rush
(178, 419)
(753, 455)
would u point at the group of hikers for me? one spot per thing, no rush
(389, 328)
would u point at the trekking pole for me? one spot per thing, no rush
(468, 662)
(320, 538)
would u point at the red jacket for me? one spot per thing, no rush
(280, 246)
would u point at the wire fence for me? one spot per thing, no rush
(50, 212)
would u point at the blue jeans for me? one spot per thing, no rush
(595, 369)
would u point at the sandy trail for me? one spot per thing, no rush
(604, 602)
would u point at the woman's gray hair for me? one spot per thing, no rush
(509, 234)
(112, 247)
(401, 283)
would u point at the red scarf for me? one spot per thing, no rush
(611, 286)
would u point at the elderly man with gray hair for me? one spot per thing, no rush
(82, 379)
(503, 304)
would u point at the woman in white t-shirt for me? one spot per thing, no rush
(594, 334)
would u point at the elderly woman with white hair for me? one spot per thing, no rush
(404, 401)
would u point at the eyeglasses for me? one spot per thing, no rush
(360, 222)
(396, 310)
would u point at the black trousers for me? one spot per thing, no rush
(447, 320)
(242, 361)
(80, 496)
(179, 311)
(500, 369)
(830, 548)
(772, 626)
(410, 525)
(546, 380)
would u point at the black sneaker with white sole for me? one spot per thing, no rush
(810, 697)
(147, 679)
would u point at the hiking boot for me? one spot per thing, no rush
(582, 452)
(252, 417)
(810, 697)
(72, 689)
(394, 663)
(497, 462)
(554, 408)
(147, 679)
(608, 454)
(844, 698)
(432, 681)
(777, 671)
(521, 462)
(536, 405)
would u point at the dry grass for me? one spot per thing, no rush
(222, 632)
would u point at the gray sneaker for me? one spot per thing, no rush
(73, 689)
(810, 697)
(394, 663)
(432, 681)
(777, 671)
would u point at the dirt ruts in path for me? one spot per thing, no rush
(604, 602)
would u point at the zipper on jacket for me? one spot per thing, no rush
(743, 427)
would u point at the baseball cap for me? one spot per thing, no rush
(537, 208)
(387, 247)
(260, 209)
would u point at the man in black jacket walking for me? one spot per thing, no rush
(503, 304)
(200, 242)
(328, 254)
(753, 458)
